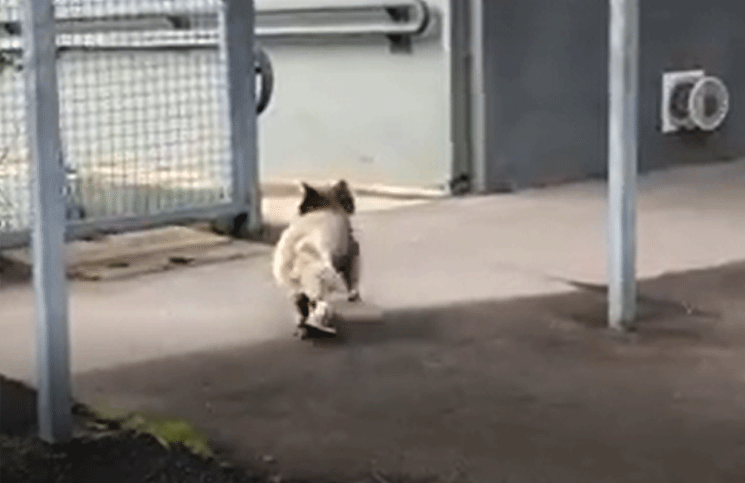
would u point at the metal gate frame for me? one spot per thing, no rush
(242, 216)
(236, 35)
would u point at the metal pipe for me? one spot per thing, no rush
(205, 37)
(81, 12)
(416, 26)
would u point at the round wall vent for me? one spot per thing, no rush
(708, 103)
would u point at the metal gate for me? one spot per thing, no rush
(156, 121)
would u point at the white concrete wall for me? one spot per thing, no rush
(353, 109)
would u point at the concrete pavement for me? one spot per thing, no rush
(486, 359)
(416, 255)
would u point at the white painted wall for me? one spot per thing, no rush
(356, 110)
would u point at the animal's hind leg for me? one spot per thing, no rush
(318, 282)
(312, 313)
(303, 306)
(352, 274)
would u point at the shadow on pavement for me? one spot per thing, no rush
(528, 389)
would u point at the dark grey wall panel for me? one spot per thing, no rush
(545, 70)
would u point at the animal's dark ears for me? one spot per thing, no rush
(307, 189)
(312, 199)
(343, 196)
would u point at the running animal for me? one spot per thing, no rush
(317, 257)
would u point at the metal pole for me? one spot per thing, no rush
(239, 43)
(477, 105)
(622, 161)
(48, 202)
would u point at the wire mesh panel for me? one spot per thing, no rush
(14, 167)
(14, 197)
(143, 109)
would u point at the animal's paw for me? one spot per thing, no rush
(354, 296)
(320, 318)
(323, 313)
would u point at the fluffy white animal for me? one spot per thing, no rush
(317, 256)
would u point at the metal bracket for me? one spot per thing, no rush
(460, 185)
(402, 42)
(263, 68)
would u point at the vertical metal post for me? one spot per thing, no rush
(239, 43)
(456, 48)
(48, 202)
(477, 105)
(623, 62)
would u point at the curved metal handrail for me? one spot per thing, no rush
(416, 26)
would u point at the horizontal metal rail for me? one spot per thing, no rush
(143, 40)
(82, 11)
(79, 229)
(162, 38)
